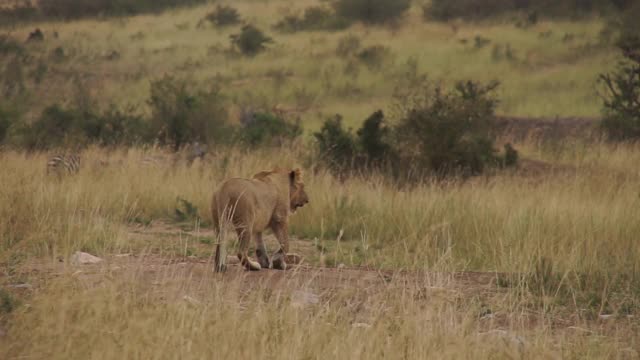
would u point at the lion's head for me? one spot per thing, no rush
(298, 197)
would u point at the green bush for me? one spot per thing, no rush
(77, 127)
(344, 153)
(268, 129)
(440, 134)
(374, 57)
(336, 146)
(250, 41)
(622, 93)
(180, 115)
(373, 139)
(511, 156)
(12, 82)
(223, 16)
(5, 123)
(447, 133)
(18, 12)
(466, 9)
(314, 18)
(73, 9)
(372, 11)
(9, 45)
(56, 127)
(116, 127)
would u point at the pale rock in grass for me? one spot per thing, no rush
(606, 316)
(21, 286)
(83, 258)
(360, 325)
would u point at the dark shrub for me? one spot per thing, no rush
(372, 11)
(55, 127)
(17, 13)
(269, 129)
(532, 10)
(348, 45)
(12, 80)
(36, 36)
(313, 18)
(223, 15)
(250, 41)
(116, 127)
(337, 146)
(466, 9)
(510, 156)
(5, 122)
(8, 302)
(449, 132)
(373, 139)
(622, 93)
(9, 45)
(479, 41)
(374, 56)
(72, 9)
(180, 115)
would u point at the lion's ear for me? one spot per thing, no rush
(295, 176)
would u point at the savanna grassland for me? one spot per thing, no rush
(535, 261)
(548, 69)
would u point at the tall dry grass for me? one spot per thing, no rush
(567, 236)
(169, 314)
(580, 216)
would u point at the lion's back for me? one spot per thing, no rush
(244, 200)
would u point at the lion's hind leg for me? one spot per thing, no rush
(245, 239)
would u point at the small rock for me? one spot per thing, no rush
(580, 330)
(81, 258)
(21, 286)
(360, 325)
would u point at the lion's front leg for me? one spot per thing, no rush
(245, 240)
(281, 230)
(261, 252)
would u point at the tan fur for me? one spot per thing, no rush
(251, 206)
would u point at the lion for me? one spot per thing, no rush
(251, 206)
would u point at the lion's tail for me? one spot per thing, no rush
(222, 214)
